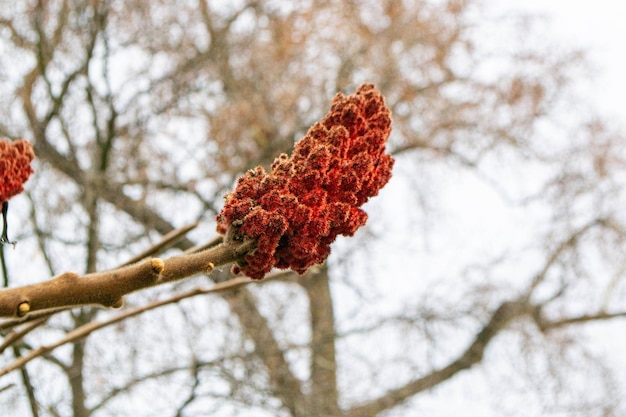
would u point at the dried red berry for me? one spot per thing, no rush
(15, 158)
(309, 198)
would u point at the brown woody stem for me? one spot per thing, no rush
(109, 287)
(5, 225)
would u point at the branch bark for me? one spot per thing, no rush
(109, 287)
(324, 397)
(285, 385)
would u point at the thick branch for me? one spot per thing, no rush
(472, 356)
(108, 288)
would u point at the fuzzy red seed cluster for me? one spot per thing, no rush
(15, 158)
(309, 198)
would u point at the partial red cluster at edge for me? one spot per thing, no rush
(309, 198)
(15, 159)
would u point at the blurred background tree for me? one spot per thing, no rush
(491, 269)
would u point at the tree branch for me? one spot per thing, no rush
(108, 288)
(91, 327)
(474, 353)
(470, 357)
(285, 385)
(28, 386)
(16, 335)
(167, 241)
(546, 325)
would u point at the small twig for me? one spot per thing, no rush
(473, 355)
(6, 387)
(4, 239)
(28, 386)
(3, 265)
(569, 243)
(166, 241)
(15, 335)
(548, 325)
(192, 394)
(208, 245)
(89, 328)
(36, 315)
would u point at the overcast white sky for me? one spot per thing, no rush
(598, 26)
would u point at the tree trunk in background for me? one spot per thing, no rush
(324, 398)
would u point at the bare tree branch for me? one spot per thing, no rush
(472, 355)
(284, 383)
(28, 386)
(89, 328)
(547, 325)
(16, 335)
(165, 242)
(108, 288)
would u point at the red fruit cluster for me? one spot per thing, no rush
(309, 198)
(15, 158)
